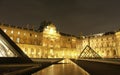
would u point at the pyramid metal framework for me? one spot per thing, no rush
(88, 52)
(10, 52)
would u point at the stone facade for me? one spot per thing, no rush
(46, 44)
(117, 34)
(104, 45)
(52, 44)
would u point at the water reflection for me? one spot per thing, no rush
(65, 61)
(62, 69)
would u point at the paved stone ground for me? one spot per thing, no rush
(65, 67)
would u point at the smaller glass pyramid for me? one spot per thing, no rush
(88, 52)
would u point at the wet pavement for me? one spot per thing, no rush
(65, 67)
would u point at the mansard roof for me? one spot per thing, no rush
(65, 34)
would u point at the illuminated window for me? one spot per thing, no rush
(35, 35)
(5, 30)
(44, 44)
(24, 34)
(12, 32)
(73, 40)
(18, 40)
(52, 31)
(47, 27)
(51, 51)
(18, 33)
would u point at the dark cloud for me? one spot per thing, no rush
(70, 16)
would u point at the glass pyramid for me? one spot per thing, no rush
(10, 52)
(88, 52)
(6, 50)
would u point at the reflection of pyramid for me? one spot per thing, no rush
(88, 52)
(10, 52)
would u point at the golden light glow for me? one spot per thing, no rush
(12, 32)
(50, 32)
(5, 30)
(18, 32)
(51, 51)
(24, 34)
(18, 40)
(51, 43)
(35, 35)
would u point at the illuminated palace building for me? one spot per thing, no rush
(49, 43)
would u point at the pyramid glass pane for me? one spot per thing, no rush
(6, 50)
(88, 52)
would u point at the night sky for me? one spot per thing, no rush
(69, 16)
